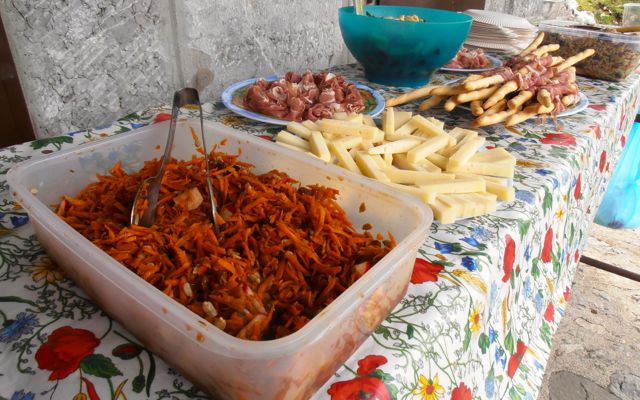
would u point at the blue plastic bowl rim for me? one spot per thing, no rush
(344, 10)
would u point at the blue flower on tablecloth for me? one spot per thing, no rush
(560, 311)
(527, 396)
(489, 387)
(543, 172)
(18, 220)
(13, 329)
(539, 301)
(103, 126)
(493, 335)
(493, 294)
(555, 183)
(469, 263)
(526, 196)
(517, 146)
(527, 288)
(501, 356)
(527, 252)
(537, 364)
(136, 125)
(72, 134)
(471, 241)
(21, 395)
(481, 233)
(444, 248)
(504, 136)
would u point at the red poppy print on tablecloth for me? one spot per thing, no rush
(603, 160)
(576, 256)
(508, 258)
(64, 349)
(561, 139)
(623, 141)
(578, 189)
(161, 117)
(547, 247)
(425, 271)
(567, 292)
(364, 386)
(596, 130)
(462, 392)
(597, 107)
(516, 358)
(549, 313)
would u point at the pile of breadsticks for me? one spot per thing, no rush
(533, 83)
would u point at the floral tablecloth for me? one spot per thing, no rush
(485, 297)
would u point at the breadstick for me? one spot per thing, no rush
(496, 108)
(528, 112)
(476, 108)
(448, 90)
(472, 77)
(504, 90)
(544, 97)
(450, 104)
(484, 82)
(430, 102)
(575, 59)
(410, 96)
(534, 45)
(485, 120)
(479, 94)
(520, 99)
(556, 60)
(546, 49)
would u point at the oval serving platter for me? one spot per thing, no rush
(233, 95)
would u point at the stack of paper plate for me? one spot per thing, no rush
(499, 32)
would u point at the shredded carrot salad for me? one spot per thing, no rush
(284, 251)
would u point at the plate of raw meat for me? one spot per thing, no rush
(471, 60)
(296, 97)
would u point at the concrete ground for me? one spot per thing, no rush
(596, 350)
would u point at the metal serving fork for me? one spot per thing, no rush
(149, 190)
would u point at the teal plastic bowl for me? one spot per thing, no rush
(403, 53)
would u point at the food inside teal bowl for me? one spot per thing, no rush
(402, 53)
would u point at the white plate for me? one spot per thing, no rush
(494, 63)
(583, 102)
(499, 19)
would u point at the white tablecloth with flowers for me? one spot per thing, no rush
(477, 322)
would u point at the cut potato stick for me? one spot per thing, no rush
(455, 186)
(299, 129)
(499, 94)
(534, 45)
(459, 133)
(399, 146)
(544, 97)
(319, 146)
(411, 96)
(368, 120)
(496, 155)
(446, 152)
(436, 122)
(520, 99)
(427, 127)
(438, 160)
(293, 140)
(400, 161)
(349, 142)
(427, 148)
(369, 167)
(556, 60)
(389, 123)
(484, 82)
(479, 94)
(542, 50)
(528, 112)
(465, 152)
(344, 158)
(415, 177)
(575, 59)
(310, 125)
(499, 106)
(476, 108)
(429, 103)
(484, 168)
(388, 160)
(485, 120)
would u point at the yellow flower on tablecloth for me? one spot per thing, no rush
(474, 320)
(560, 213)
(48, 270)
(530, 164)
(231, 120)
(429, 389)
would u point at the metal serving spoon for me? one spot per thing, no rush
(149, 190)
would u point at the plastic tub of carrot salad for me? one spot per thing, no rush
(283, 362)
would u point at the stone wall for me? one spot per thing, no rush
(83, 63)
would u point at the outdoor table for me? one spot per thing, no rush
(485, 297)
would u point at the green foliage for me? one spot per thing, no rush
(605, 11)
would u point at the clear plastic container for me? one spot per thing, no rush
(292, 367)
(617, 54)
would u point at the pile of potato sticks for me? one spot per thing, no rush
(533, 83)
